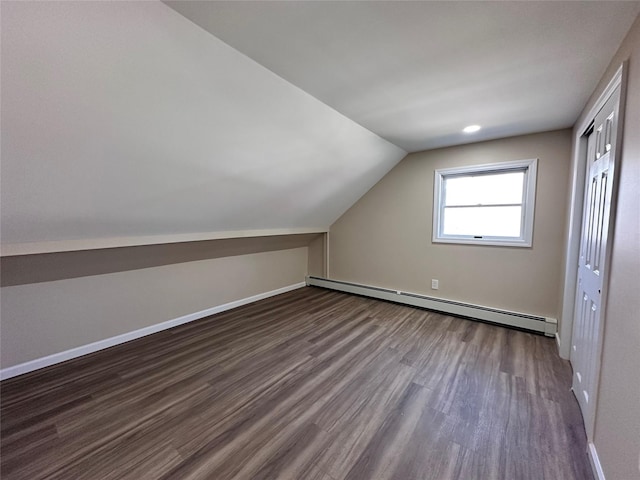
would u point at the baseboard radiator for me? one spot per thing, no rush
(532, 323)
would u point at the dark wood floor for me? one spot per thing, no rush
(313, 385)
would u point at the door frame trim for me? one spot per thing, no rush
(574, 224)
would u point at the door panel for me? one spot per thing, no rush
(587, 326)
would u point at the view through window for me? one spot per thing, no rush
(485, 204)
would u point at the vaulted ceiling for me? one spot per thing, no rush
(127, 119)
(124, 119)
(416, 73)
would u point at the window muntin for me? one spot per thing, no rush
(486, 204)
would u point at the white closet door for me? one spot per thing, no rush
(587, 325)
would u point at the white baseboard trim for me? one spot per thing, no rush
(544, 325)
(595, 462)
(49, 360)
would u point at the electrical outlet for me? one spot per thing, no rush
(434, 284)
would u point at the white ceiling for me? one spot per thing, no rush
(124, 119)
(416, 73)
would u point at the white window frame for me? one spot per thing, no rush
(528, 203)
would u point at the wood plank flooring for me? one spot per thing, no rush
(312, 384)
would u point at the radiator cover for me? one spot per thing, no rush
(545, 325)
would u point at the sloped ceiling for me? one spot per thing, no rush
(124, 119)
(416, 73)
(129, 120)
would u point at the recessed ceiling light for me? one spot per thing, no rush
(471, 129)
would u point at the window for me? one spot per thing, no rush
(485, 204)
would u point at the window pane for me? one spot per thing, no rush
(484, 221)
(488, 189)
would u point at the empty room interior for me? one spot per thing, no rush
(320, 240)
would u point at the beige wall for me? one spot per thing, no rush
(317, 254)
(617, 428)
(385, 238)
(40, 319)
(21, 269)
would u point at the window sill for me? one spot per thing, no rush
(488, 242)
